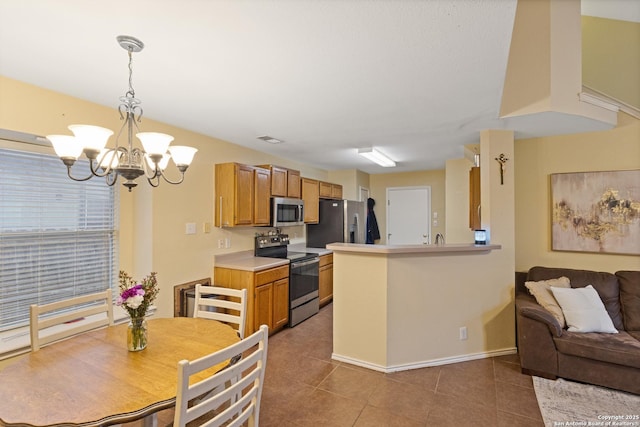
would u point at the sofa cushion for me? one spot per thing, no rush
(542, 293)
(583, 310)
(621, 348)
(630, 298)
(606, 284)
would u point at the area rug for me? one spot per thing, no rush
(568, 403)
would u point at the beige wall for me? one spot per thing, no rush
(351, 181)
(435, 179)
(152, 221)
(457, 201)
(611, 46)
(536, 159)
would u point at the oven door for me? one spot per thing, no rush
(303, 281)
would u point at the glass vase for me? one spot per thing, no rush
(137, 334)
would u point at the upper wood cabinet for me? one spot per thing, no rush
(262, 196)
(309, 189)
(336, 191)
(242, 195)
(329, 190)
(293, 184)
(474, 198)
(284, 182)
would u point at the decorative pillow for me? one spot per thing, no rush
(583, 309)
(541, 291)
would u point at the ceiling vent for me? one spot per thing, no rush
(270, 139)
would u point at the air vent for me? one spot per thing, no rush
(270, 139)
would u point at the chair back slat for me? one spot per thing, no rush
(236, 388)
(63, 319)
(222, 304)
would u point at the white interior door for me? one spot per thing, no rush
(408, 215)
(364, 194)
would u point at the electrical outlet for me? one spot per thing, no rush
(463, 333)
(220, 243)
(206, 227)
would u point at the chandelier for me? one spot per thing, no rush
(126, 161)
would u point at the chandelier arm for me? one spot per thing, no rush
(149, 172)
(173, 182)
(78, 179)
(154, 182)
(95, 170)
(111, 182)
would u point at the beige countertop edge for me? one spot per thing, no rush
(449, 249)
(246, 261)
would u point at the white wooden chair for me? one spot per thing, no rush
(232, 394)
(230, 311)
(73, 316)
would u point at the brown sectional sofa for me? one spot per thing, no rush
(550, 351)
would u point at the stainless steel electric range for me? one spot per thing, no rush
(303, 274)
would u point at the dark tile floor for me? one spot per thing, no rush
(304, 387)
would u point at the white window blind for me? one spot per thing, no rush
(58, 237)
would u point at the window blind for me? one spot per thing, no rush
(58, 237)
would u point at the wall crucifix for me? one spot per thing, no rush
(502, 159)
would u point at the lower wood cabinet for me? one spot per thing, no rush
(267, 295)
(325, 290)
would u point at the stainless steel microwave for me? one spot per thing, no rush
(286, 211)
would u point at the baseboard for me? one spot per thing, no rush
(426, 363)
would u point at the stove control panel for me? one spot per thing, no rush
(268, 241)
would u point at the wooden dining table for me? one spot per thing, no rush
(93, 380)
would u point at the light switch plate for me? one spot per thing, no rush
(190, 228)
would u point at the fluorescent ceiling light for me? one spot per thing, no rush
(377, 157)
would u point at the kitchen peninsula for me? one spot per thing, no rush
(398, 307)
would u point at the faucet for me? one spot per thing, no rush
(439, 239)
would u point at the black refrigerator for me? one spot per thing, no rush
(340, 221)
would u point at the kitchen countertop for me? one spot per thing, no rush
(449, 249)
(245, 260)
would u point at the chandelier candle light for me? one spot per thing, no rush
(128, 162)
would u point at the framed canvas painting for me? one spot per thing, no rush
(596, 212)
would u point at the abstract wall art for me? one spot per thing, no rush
(596, 212)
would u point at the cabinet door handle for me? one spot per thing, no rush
(220, 211)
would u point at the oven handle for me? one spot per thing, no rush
(303, 263)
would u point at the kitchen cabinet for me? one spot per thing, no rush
(267, 295)
(262, 196)
(241, 195)
(293, 184)
(278, 181)
(284, 182)
(309, 189)
(474, 198)
(328, 190)
(324, 189)
(325, 278)
(336, 191)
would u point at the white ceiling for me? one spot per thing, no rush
(416, 79)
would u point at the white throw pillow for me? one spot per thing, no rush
(583, 310)
(542, 293)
